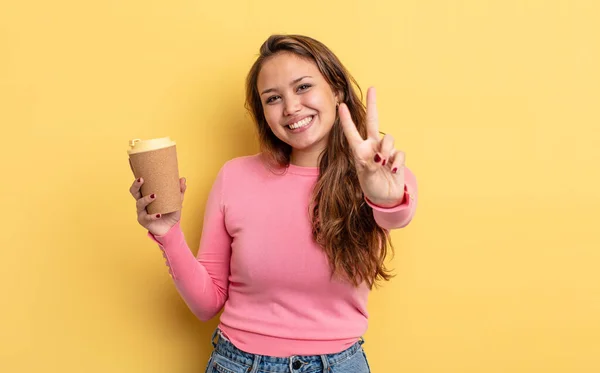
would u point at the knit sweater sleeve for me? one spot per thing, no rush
(201, 280)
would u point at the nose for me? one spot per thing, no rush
(292, 105)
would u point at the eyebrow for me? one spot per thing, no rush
(292, 83)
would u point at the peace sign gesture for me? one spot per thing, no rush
(380, 167)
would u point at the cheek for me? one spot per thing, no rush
(272, 116)
(315, 101)
(321, 102)
(326, 111)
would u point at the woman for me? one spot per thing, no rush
(294, 237)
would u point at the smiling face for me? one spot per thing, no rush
(298, 103)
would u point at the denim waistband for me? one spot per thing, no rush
(225, 348)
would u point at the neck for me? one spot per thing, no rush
(305, 158)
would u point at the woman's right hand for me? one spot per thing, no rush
(157, 224)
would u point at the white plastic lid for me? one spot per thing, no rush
(140, 146)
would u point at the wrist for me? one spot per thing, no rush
(390, 203)
(162, 231)
(386, 204)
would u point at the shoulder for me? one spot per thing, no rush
(245, 168)
(243, 176)
(244, 164)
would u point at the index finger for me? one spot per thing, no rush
(354, 138)
(135, 188)
(372, 114)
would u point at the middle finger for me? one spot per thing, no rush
(144, 201)
(372, 115)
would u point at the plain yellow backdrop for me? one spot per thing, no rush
(496, 104)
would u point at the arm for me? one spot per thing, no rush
(401, 215)
(202, 281)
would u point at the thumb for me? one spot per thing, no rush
(182, 185)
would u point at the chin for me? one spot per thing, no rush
(306, 145)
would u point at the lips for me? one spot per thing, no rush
(296, 119)
(300, 123)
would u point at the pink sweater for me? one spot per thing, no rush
(257, 258)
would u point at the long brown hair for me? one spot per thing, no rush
(342, 223)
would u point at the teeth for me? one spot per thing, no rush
(301, 123)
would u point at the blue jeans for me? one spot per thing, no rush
(226, 358)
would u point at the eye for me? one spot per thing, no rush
(271, 99)
(304, 87)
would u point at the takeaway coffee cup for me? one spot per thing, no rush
(155, 160)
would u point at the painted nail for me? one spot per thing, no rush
(394, 170)
(383, 163)
(139, 180)
(377, 158)
(152, 196)
(157, 216)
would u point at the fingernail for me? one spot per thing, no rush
(377, 158)
(394, 170)
(152, 196)
(139, 180)
(157, 216)
(383, 163)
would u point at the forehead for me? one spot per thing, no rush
(282, 68)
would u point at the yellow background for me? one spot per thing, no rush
(496, 104)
